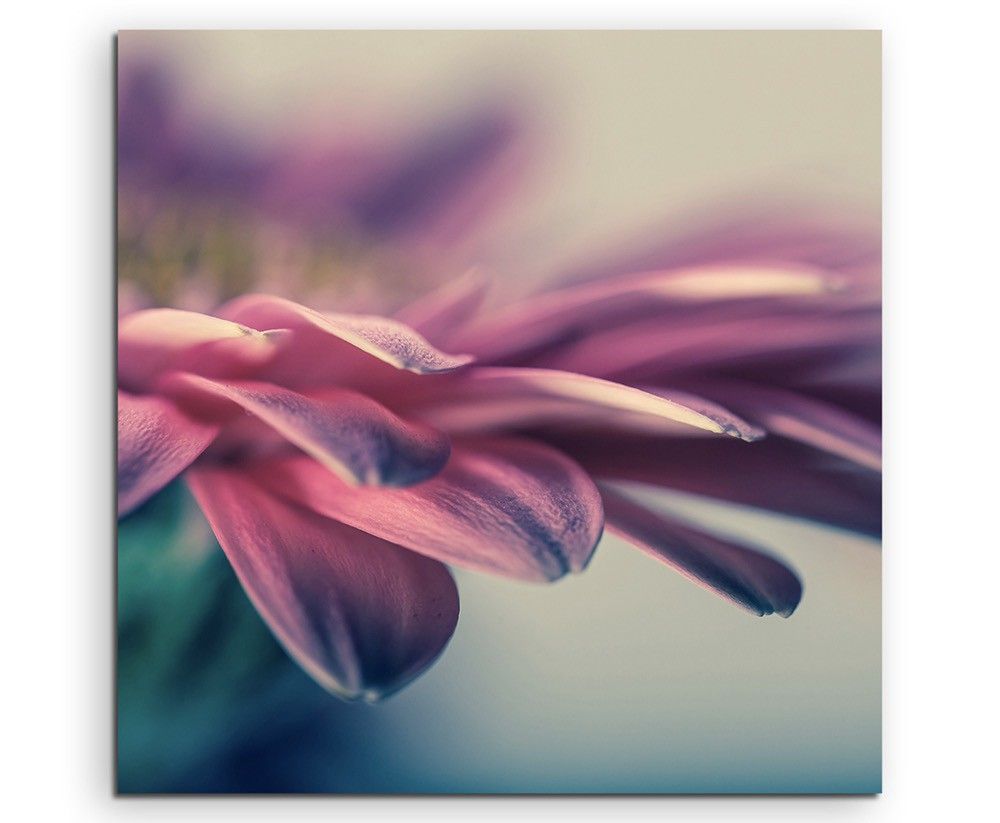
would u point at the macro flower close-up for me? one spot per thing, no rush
(332, 343)
(324, 445)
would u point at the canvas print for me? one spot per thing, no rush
(498, 412)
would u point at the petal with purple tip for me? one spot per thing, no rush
(510, 507)
(364, 617)
(747, 577)
(381, 337)
(350, 434)
(774, 473)
(575, 310)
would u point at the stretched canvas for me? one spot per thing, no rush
(498, 412)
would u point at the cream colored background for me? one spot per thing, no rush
(635, 129)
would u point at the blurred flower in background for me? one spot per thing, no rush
(328, 213)
(741, 363)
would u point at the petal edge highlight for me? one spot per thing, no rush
(351, 434)
(388, 340)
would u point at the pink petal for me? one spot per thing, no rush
(156, 442)
(486, 398)
(581, 309)
(437, 313)
(352, 435)
(737, 231)
(774, 473)
(862, 369)
(745, 576)
(727, 420)
(505, 506)
(657, 350)
(380, 337)
(155, 341)
(360, 615)
(806, 420)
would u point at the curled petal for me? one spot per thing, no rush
(155, 341)
(509, 507)
(352, 435)
(156, 442)
(747, 577)
(495, 397)
(387, 340)
(362, 616)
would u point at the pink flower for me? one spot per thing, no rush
(344, 461)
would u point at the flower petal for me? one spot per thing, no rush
(383, 338)
(362, 616)
(747, 230)
(156, 442)
(580, 309)
(493, 397)
(352, 435)
(747, 577)
(442, 183)
(510, 507)
(774, 473)
(155, 341)
(436, 313)
(654, 350)
(806, 420)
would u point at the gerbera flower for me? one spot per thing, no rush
(344, 460)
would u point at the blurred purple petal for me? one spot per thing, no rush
(652, 349)
(383, 181)
(560, 316)
(156, 442)
(757, 233)
(362, 616)
(444, 183)
(745, 576)
(447, 306)
(160, 145)
(505, 506)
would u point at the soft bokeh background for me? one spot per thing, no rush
(626, 678)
